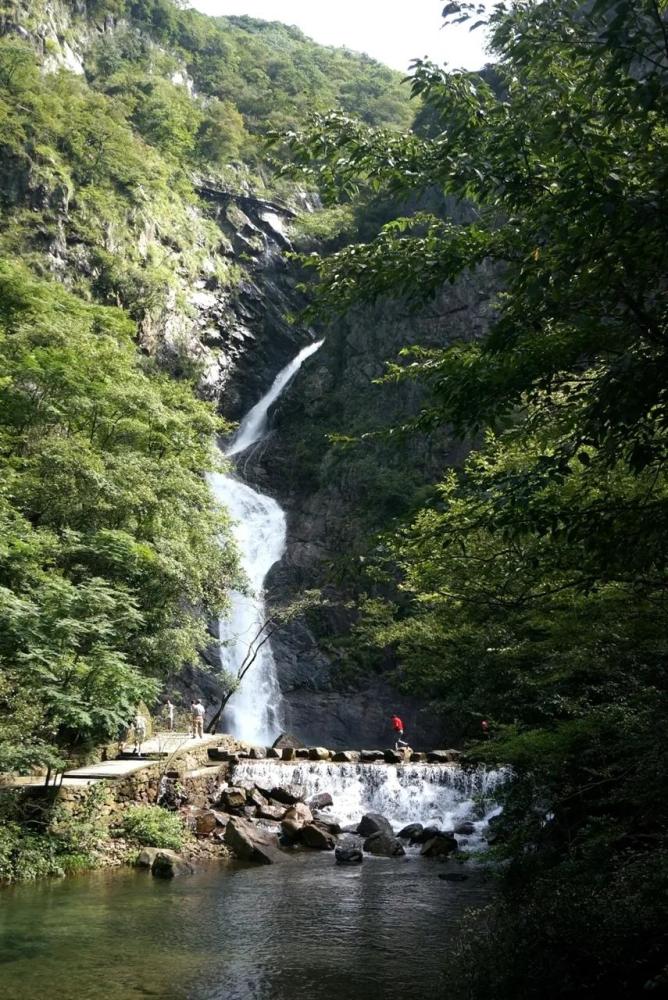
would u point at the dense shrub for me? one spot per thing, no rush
(153, 826)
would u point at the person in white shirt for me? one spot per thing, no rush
(169, 709)
(140, 731)
(198, 713)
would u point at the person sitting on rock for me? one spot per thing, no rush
(398, 728)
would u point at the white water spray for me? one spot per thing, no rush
(254, 711)
(442, 795)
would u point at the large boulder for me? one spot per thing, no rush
(288, 794)
(321, 801)
(233, 799)
(271, 812)
(251, 844)
(288, 753)
(169, 864)
(205, 823)
(465, 829)
(384, 845)
(374, 823)
(257, 753)
(439, 847)
(330, 823)
(371, 756)
(346, 757)
(274, 753)
(287, 740)
(411, 832)
(146, 857)
(317, 837)
(427, 833)
(418, 758)
(295, 818)
(348, 854)
(319, 753)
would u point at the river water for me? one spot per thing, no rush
(305, 929)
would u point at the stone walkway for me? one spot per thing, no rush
(159, 746)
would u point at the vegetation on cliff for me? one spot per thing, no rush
(110, 560)
(533, 583)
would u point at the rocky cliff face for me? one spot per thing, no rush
(202, 267)
(337, 499)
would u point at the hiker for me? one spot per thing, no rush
(169, 709)
(484, 725)
(198, 713)
(398, 729)
(139, 725)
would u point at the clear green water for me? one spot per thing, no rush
(303, 930)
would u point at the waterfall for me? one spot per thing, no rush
(443, 795)
(254, 711)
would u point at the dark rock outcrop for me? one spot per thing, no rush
(169, 864)
(252, 844)
(384, 846)
(374, 823)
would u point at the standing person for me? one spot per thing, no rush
(198, 718)
(484, 725)
(398, 729)
(193, 719)
(139, 725)
(169, 709)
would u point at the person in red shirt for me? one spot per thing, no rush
(398, 727)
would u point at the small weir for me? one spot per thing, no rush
(443, 795)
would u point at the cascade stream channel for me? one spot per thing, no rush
(303, 929)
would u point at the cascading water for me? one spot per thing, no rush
(254, 711)
(443, 795)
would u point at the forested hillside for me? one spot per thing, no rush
(531, 588)
(113, 117)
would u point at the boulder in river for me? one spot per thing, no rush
(288, 753)
(411, 832)
(371, 756)
(274, 753)
(146, 857)
(319, 753)
(465, 829)
(439, 847)
(427, 833)
(348, 854)
(321, 801)
(315, 836)
(169, 864)
(301, 753)
(394, 756)
(251, 844)
(288, 794)
(295, 818)
(384, 845)
(326, 820)
(418, 758)
(257, 753)
(374, 823)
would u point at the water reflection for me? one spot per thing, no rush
(303, 929)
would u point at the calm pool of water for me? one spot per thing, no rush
(303, 930)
